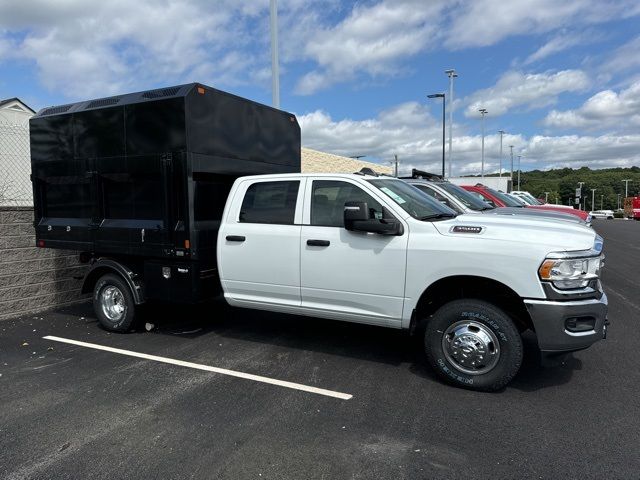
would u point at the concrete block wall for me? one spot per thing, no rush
(33, 279)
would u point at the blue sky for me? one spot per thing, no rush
(562, 78)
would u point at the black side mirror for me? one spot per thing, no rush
(357, 218)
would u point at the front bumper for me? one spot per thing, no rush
(550, 323)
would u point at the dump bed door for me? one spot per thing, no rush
(133, 210)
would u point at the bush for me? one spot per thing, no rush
(618, 214)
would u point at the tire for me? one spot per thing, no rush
(477, 326)
(113, 303)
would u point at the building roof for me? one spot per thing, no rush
(7, 101)
(314, 161)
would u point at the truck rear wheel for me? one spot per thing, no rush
(473, 344)
(113, 303)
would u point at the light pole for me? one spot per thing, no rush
(519, 157)
(501, 132)
(483, 112)
(601, 200)
(546, 197)
(593, 198)
(441, 95)
(619, 201)
(626, 187)
(580, 197)
(275, 73)
(511, 147)
(451, 73)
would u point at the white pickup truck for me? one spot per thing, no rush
(376, 250)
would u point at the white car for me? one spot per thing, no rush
(608, 214)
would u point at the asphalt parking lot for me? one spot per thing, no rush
(71, 411)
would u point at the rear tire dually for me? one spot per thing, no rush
(113, 303)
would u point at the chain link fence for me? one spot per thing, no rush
(15, 164)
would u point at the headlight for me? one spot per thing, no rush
(570, 273)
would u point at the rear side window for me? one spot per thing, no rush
(270, 202)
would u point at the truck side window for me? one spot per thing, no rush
(270, 202)
(484, 199)
(437, 196)
(328, 198)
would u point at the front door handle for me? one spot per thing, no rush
(235, 238)
(318, 243)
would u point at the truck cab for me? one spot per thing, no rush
(375, 250)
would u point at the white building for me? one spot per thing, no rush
(15, 158)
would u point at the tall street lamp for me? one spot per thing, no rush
(451, 73)
(511, 147)
(519, 157)
(626, 187)
(483, 112)
(441, 95)
(501, 132)
(593, 198)
(275, 69)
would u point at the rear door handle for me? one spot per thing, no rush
(235, 238)
(318, 243)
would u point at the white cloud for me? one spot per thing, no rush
(530, 90)
(373, 39)
(604, 110)
(84, 49)
(622, 59)
(409, 131)
(559, 43)
(480, 23)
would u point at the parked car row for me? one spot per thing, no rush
(188, 193)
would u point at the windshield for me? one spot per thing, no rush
(474, 203)
(532, 200)
(506, 199)
(413, 201)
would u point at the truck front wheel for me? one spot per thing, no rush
(113, 303)
(473, 344)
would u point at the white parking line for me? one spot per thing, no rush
(207, 368)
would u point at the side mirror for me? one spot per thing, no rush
(356, 218)
(354, 212)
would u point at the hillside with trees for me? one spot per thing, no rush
(562, 183)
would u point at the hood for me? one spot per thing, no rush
(549, 214)
(557, 235)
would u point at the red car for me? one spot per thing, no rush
(499, 199)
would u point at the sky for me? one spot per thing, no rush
(561, 78)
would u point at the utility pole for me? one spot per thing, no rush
(511, 147)
(451, 73)
(519, 157)
(396, 163)
(501, 132)
(580, 198)
(483, 112)
(601, 200)
(593, 199)
(619, 201)
(442, 96)
(546, 197)
(626, 187)
(275, 69)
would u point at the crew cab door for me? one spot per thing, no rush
(355, 276)
(259, 243)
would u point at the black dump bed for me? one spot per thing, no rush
(148, 173)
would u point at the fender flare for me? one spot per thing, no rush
(102, 266)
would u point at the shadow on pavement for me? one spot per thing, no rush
(365, 342)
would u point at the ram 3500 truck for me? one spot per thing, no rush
(150, 188)
(376, 250)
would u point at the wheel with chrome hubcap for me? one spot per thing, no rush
(113, 303)
(473, 344)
